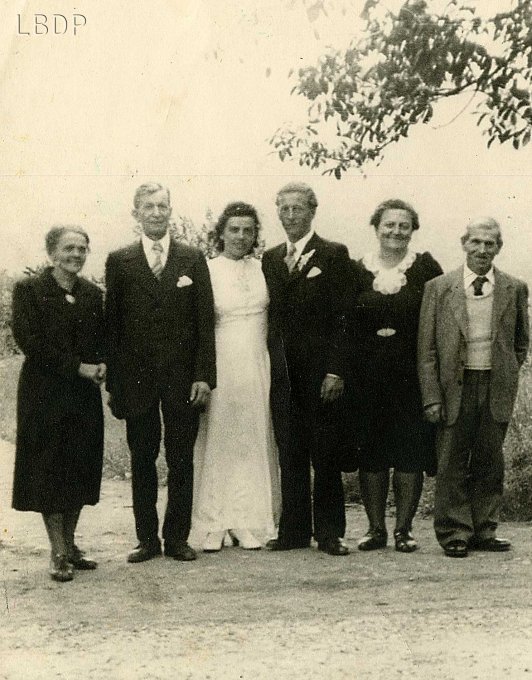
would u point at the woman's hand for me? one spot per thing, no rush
(332, 388)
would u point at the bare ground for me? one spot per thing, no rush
(253, 615)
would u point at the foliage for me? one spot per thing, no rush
(368, 96)
(7, 343)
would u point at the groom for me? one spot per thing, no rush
(306, 278)
(160, 329)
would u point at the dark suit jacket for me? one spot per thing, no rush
(160, 334)
(306, 308)
(442, 342)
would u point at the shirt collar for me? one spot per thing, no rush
(147, 243)
(470, 276)
(300, 245)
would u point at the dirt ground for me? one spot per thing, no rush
(252, 615)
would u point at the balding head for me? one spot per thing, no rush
(485, 223)
(481, 243)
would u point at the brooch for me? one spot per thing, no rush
(386, 332)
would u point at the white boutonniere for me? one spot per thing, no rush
(315, 271)
(184, 281)
(302, 262)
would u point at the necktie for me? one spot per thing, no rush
(477, 285)
(289, 259)
(157, 266)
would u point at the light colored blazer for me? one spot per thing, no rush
(442, 342)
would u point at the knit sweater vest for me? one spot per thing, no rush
(479, 311)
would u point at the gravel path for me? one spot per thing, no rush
(253, 615)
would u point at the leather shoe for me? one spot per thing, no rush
(180, 551)
(144, 552)
(334, 546)
(61, 569)
(457, 548)
(373, 540)
(490, 544)
(78, 560)
(276, 544)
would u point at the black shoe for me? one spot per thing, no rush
(277, 544)
(404, 542)
(61, 569)
(180, 551)
(457, 548)
(373, 540)
(78, 560)
(490, 544)
(144, 552)
(334, 546)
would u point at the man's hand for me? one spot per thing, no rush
(434, 413)
(93, 372)
(199, 394)
(332, 387)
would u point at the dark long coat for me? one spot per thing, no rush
(59, 449)
(160, 333)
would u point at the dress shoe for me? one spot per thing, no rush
(245, 539)
(214, 541)
(456, 548)
(334, 546)
(78, 560)
(490, 544)
(277, 544)
(404, 542)
(61, 569)
(373, 540)
(180, 551)
(144, 552)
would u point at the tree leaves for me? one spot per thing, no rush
(375, 90)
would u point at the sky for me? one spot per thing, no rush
(186, 92)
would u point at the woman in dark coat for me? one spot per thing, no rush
(58, 324)
(389, 286)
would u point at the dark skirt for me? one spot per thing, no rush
(393, 433)
(58, 464)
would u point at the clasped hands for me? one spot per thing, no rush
(94, 372)
(332, 388)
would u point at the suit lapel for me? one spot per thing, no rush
(458, 301)
(502, 296)
(278, 255)
(301, 271)
(173, 266)
(142, 270)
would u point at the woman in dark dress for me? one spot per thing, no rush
(389, 287)
(58, 324)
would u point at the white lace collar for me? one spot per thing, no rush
(388, 281)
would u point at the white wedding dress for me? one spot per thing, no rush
(236, 478)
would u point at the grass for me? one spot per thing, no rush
(518, 446)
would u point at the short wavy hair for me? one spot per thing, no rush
(146, 190)
(394, 204)
(235, 209)
(53, 236)
(299, 188)
(488, 223)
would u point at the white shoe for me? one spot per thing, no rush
(245, 539)
(214, 541)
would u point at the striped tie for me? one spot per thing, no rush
(289, 259)
(157, 266)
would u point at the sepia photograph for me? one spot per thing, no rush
(266, 392)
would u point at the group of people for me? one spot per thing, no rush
(262, 370)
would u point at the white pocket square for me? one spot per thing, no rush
(315, 271)
(183, 281)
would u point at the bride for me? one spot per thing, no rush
(236, 484)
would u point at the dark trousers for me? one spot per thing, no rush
(469, 482)
(311, 437)
(144, 438)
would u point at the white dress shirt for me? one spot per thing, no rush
(470, 276)
(151, 255)
(300, 245)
